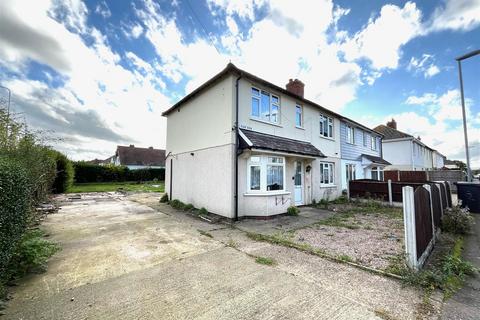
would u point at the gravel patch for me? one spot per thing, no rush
(369, 239)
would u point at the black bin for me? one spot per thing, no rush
(469, 193)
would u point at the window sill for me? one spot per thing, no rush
(266, 122)
(327, 138)
(266, 194)
(302, 128)
(328, 186)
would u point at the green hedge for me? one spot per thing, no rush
(64, 173)
(86, 172)
(15, 198)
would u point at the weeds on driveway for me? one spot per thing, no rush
(265, 260)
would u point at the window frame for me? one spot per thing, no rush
(331, 174)
(329, 126)
(365, 138)
(299, 107)
(349, 128)
(264, 163)
(373, 143)
(350, 170)
(378, 171)
(271, 105)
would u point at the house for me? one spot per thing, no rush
(361, 152)
(452, 164)
(241, 146)
(405, 152)
(138, 158)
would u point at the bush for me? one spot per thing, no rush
(457, 221)
(64, 177)
(14, 208)
(203, 211)
(164, 198)
(189, 207)
(31, 254)
(87, 172)
(177, 204)
(293, 211)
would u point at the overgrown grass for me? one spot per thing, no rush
(265, 260)
(147, 186)
(31, 256)
(448, 274)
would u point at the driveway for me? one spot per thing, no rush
(126, 258)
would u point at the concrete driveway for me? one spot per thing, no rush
(122, 258)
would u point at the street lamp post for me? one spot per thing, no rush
(467, 152)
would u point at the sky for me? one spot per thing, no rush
(97, 74)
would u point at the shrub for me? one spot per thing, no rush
(14, 208)
(64, 177)
(293, 211)
(164, 198)
(203, 211)
(87, 172)
(31, 254)
(457, 221)
(188, 207)
(177, 204)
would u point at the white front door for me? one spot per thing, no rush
(298, 183)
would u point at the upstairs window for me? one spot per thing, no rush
(365, 139)
(265, 106)
(299, 116)
(326, 126)
(374, 143)
(350, 134)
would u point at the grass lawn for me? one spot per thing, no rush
(148, 186)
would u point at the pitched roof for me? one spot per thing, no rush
(231, 68)
(378, 160)
(269, 142)
(140, 156)
(391, 133)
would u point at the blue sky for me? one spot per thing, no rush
(99, 73)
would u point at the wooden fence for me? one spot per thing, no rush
(405, 176)
(392, 191)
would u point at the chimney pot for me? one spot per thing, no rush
(296, 87)
(132, 146)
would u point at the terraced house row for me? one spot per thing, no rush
(241, 146)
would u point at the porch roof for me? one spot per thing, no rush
(257, 140)
(375, 160)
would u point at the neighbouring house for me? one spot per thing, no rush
(451, 164)
(361, 153)
(241, 146)
(138, 158)
(101, 162)
(405, 152)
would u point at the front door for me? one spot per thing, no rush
(298, 183)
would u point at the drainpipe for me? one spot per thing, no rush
(237, 132)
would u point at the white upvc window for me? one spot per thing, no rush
(365, 139)
(327, 174)
(299, 116)
(266, 173)
(377, 173)
(350, 134)
(350, 172)
(265, 106)
(373, 140)
(326, 126)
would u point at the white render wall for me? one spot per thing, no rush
(360, 172)
(399, 154)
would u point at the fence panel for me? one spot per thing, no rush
(390, 175)
(423, 220)
(449, 193)
(368, 188)
(443, 194)
(436, 205)
(413, 176)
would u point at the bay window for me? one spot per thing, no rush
(265, 106)
(266, 173)
(327, 173)
(326, 126)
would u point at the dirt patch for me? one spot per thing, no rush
(371, 239)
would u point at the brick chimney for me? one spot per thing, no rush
(132, 146)
(296, 87)
(392, 124)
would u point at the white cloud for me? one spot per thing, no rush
(461, 15)
(103, 10)
(243, 8)
(380, 41)
(424, 65)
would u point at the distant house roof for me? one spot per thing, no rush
(231, 68)
(449, 162)
(257, 140)
(132, 155)
(391, 133)
(99, 161)
(377, 160)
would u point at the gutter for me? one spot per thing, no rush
(237, 132)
